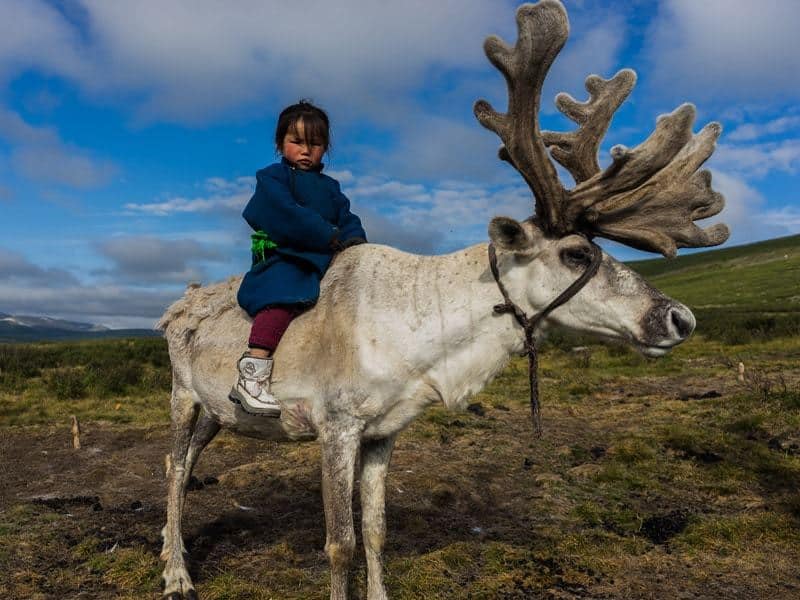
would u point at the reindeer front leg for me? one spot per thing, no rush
(375, 457)
(340, 443)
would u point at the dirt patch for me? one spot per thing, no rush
(617, 500)
(660, 528)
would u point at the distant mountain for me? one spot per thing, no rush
(23, 328)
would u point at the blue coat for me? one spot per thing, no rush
(302, 212)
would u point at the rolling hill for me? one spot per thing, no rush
(742, 290)
(21, 328)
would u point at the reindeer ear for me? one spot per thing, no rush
(509, 234)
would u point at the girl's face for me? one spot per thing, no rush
(306, 154)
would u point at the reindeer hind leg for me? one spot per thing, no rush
(375, 457)
(177, 583)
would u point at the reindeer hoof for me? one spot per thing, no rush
(190, 595)
(179, 588)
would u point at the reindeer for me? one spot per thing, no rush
(393, 333)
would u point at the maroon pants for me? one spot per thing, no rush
(270, 324)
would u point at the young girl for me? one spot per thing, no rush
(301, 219)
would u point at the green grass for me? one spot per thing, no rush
(121, 381)
(739, 293)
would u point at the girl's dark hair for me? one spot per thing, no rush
(316, 125)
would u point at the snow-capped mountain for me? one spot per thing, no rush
(49, 323)
(18, 328)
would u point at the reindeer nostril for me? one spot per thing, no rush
(682, 324)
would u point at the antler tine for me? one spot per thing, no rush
(542, 31)
(651, 195)
(577, 150)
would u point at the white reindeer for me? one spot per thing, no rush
(394, 333)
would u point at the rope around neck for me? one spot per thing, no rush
(529, 324)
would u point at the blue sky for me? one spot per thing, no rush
(130, 132)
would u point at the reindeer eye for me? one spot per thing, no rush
(575, 257)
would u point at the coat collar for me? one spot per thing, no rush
(288, 163)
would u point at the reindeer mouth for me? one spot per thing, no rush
(654, 351)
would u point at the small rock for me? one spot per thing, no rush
(443, 495)
(703, 456)
(775, 444)
(548, 478)
(699, 395)
(660, 528)
(585, 471)
(709, 457)
(597, 451)
(476, 408)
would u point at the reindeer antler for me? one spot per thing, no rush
(648, 198)
(577, 150)
(543, 30)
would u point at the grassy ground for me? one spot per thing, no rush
(654, 479)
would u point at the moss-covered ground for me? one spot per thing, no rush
(663, 478)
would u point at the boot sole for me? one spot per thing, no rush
(238, 398)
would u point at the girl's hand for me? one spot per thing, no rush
(354, 241)
(335, 244)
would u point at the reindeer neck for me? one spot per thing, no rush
(467, 342)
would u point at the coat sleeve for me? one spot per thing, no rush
(273, 209)
(348, 223)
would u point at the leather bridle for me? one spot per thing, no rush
(529, 324)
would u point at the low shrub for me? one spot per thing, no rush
(67, 384)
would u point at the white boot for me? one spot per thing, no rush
(252, 388)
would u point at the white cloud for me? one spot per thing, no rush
(188, 60)
(758, 160)
(788, 217)
(15, 267)
(594, 47)
(34, 34)
(225, 195)
(104, 303)
(39, 154)
(753, 131)
(147, 260)
(744, 211)
(436, 218)
(726, 50)
(434, 148)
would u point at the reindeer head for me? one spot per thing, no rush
(648, 197)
